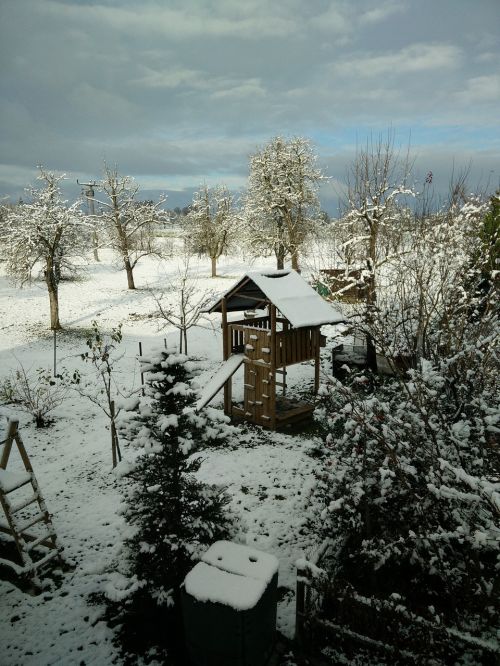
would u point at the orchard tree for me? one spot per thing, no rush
(46, 234)
(282, 198)
(129, 223)
(211, 223)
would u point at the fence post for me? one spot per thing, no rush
(300, 599)
(142, 375)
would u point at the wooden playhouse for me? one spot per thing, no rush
(267, 343)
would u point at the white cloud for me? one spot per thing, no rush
(411, 59)
(382, 12)
(191, 20)
(481, 89)
(171, 78)
(248, 88)
(333, 20)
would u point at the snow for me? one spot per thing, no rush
(293, 297)
(11, 480)
(242, 560)
(209, 584)
(269, 476)
(227, 369)
(296, 299)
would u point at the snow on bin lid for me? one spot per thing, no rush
(242, 560)
(207, 583)
(11, 480)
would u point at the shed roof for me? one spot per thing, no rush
(287, 290)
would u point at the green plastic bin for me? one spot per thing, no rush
(229, 607)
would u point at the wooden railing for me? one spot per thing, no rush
(296, 345)
(292, 346)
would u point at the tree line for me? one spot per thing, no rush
(277, 215)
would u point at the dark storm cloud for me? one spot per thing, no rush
(180, 92)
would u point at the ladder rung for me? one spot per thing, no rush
(40, 540)
(32, 521)
(281, 384)
(249, 386)
(14, 508)
(39, 563)
(10, 481)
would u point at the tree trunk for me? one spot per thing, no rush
(130, 272)
(280, 256)
(371, 299)
(95, 243)
(295, 261)
(52, 288)
(214, 266)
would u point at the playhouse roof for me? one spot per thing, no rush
(287, 290)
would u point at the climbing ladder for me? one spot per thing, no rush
(28, 521)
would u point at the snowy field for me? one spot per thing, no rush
(269, 476)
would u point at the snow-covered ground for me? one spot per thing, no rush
(268, 475)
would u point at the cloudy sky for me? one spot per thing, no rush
(180, 92)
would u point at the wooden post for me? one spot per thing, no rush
(272, 369)
(7, 444)
(142, 374)
(55, 353)
(225, 352)
(115, 447)
(225, 355)
(300, 607)
(316, 338)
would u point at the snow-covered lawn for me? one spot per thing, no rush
(269, 476)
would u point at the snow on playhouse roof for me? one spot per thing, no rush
(287, 290)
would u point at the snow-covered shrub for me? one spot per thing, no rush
(174, 516)
(411, 492)
(35, 391)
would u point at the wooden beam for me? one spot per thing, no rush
(316, 338)
(226, 350)
(272, 369)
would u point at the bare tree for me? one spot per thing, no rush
(282, 198)
(211, 223)
(103, 355)
(130, 223)
(44, 233)
(182, 303)
(376, 183)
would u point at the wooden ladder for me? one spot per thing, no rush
(35, 549)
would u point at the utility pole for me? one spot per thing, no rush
(89, 193)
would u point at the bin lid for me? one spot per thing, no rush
(209, 584)
(242, 560)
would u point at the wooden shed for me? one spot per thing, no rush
(347, 285)
(285, 333)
